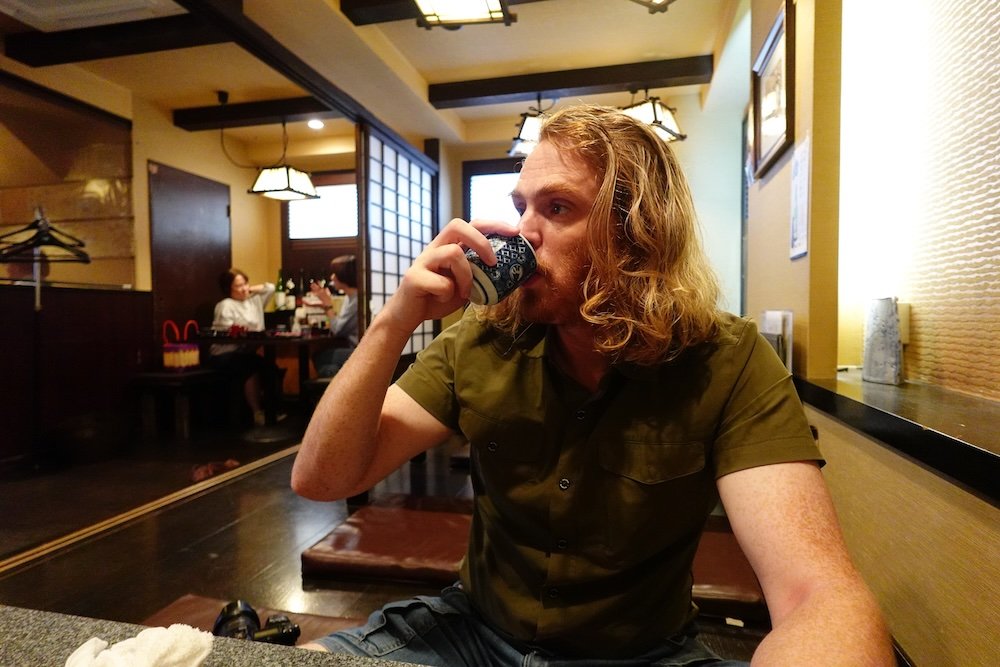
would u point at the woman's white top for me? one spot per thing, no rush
(248, 313)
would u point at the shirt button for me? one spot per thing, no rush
(581, 414)
(564, 484)
(562, 544)
(492, 446)
(553, 592)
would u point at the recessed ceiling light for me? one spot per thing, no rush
(316, 124)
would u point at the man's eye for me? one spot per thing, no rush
(558, 208)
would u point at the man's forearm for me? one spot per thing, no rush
(838, 624)
(340, 441)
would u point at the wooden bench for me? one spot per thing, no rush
(179, 387)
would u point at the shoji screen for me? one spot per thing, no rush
(400, 220)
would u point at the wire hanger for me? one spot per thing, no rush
(45, 235)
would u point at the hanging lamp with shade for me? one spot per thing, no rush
(282, 181)
(529, 129)
(453, 14)
(661, 117)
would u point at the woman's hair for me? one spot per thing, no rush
(649, 291)
(345, 267)
(226, 279)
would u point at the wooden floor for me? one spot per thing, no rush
(77, 489)
(241, 538)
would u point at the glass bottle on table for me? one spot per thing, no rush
(279, 292)
(289, 294)
(302, 288)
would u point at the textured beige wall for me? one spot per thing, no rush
(955, 280)
(921, 195)
(929, 550)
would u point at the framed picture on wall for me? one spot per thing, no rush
(773, 78)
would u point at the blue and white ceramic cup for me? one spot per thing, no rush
(515, 264)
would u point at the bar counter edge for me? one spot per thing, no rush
(33, 637)
(973, 467)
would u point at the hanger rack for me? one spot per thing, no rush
(29, 250)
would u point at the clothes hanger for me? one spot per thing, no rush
(45, 234)
(29, 251)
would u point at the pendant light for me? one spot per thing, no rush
(453, 14)
(530, 129)
(283, 181)
(652, 112)
(655, 6)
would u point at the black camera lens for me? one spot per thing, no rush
(237, 620)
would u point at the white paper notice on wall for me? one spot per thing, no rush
(799, 217)
(779, 322)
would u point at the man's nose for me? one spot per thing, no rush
(528, 227)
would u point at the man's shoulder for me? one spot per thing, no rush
(734, 329)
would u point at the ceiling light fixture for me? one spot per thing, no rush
(316, 124)
(652, 112)
(453, 14)
(528, 132)
(282, 181)
(655, 6)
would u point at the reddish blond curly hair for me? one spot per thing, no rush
(650, 291)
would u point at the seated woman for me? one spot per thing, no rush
(243, 307)
(343, 323)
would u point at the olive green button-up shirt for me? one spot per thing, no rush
(589, 507)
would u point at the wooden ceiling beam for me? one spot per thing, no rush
(246, 114)
(38, 49)
(568, 83)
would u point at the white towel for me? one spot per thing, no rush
(176, 646)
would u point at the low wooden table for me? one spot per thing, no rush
(179, 385)
(270, 344)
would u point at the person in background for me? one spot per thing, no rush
(343, 322)
(609, 405)
(242, 308)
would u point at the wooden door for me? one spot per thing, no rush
(191, 244)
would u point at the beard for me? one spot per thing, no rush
(554, 298)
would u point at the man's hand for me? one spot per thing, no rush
(321, 293)
(439, 280)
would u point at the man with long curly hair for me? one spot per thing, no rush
(609, 404)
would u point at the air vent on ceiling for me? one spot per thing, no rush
(55, 15)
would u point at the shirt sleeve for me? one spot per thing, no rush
(430, 380)
(346, 321)
(763, 422)
(224, 316)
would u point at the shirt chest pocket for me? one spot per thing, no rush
(655, 493)
(652, 462)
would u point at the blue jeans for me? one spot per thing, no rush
(446, 631)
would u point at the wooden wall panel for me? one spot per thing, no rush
(926, 547)
(66, 371)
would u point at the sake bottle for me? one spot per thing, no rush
(279, 292)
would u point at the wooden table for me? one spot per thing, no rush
(270, 344)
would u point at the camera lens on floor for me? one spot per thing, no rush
(239, 620)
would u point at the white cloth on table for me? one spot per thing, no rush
(176, 646)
